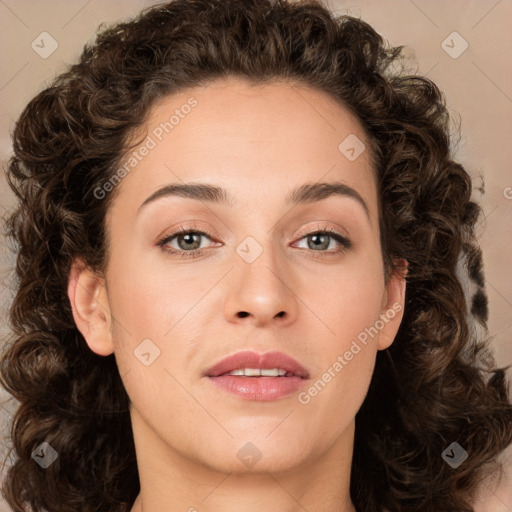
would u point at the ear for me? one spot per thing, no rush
(91, 310)
(393, 305)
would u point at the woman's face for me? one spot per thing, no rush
(175, 305)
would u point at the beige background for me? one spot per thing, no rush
(477, 84)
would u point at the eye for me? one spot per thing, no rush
(321, 240)
(188, 242)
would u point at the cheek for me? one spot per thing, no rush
(336, 394)
(349, 306)
(346, 352)
(165, 305)
(150, 299)
(350, 300)
(149, 309)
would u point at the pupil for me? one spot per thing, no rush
(317, 238)
(189, 239)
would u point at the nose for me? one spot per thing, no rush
(261, 291)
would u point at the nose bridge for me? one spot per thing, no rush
(260, 282)
(261, 261)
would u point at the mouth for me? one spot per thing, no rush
(252, 365)
(256, 377)
(260, 372)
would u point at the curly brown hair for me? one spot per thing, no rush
(437, 383)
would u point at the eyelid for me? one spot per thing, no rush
(172, 233)
(325, 227)
(186, 227)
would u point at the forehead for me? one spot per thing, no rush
(257, 110)
(254, 138)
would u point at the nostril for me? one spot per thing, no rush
(243, 314)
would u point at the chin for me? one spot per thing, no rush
(254, 454)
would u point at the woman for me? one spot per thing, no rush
(311, 349)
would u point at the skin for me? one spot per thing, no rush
(258, 142)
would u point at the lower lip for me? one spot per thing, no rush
(263, 389)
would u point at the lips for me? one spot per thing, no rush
(267, 361)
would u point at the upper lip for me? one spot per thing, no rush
(249, 359)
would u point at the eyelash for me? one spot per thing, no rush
(345, 243)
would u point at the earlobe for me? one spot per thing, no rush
(393, 308)
(91, 310)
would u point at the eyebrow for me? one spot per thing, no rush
(306, 193)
